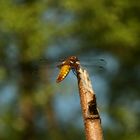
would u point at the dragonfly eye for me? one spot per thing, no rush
(74, 57)
(77, 62)
(63, 62)
(71, 62)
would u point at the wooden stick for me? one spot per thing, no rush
(91, 115)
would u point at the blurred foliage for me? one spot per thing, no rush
(29, 29)
(111, 25)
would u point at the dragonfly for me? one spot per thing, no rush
(72, 63)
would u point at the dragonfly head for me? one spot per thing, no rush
(72, 61)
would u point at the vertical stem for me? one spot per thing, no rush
(91, 116)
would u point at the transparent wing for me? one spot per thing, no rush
(92, 64)
(86, 62)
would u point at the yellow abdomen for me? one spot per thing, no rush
(64, 70)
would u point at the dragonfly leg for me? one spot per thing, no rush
(74, 71)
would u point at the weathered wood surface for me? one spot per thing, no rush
(92, 121)
(90, 112)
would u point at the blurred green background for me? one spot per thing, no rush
(32, 105)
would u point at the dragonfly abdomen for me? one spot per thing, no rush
(64, 70)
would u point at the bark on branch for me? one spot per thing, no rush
(90, 112)
(91, 115)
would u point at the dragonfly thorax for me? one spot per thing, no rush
(72, 61)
